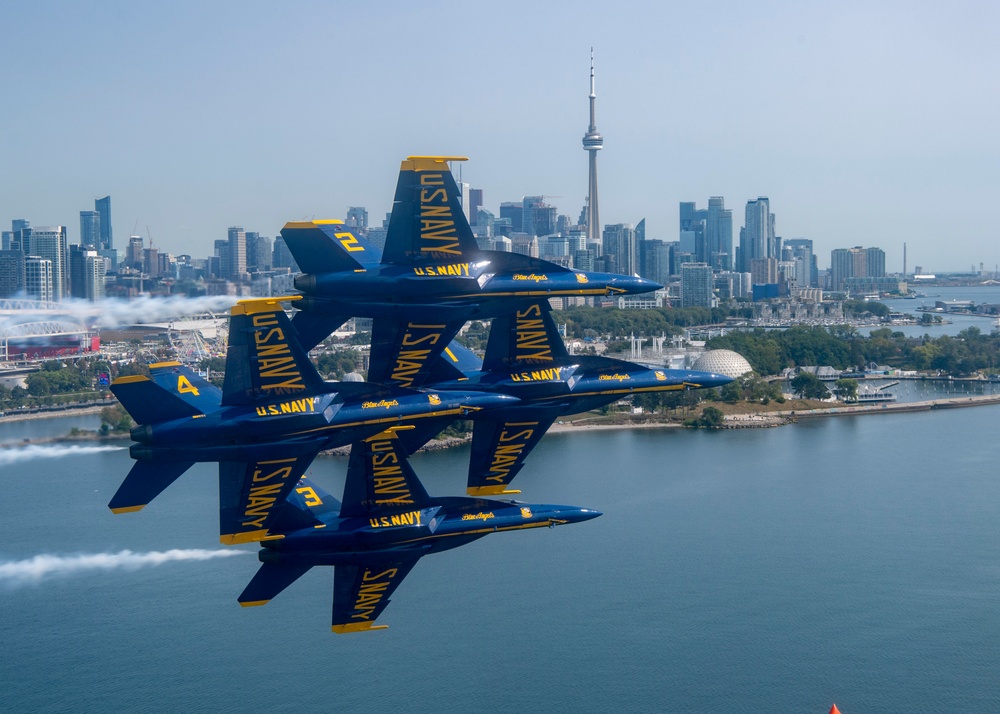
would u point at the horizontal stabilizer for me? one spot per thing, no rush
(403, 352)
(527, 336)
(427, 221)
(327, 247)
(454, 364)
(144, 482)
(149, 403)
(265, 359)
(270, 580)
(251, 494)
(361, 593)
(314, 327)
(499, 448)
(304, 508)
(187, 384)
(379, 478)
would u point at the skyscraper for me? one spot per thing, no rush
(757, 239)
(11, 272)
(38, 282)
(621, 249)
(90, 229)
(719, 234)
(696, 285)
(49, 243)
(692, 231)
(592, 143)
(103, 208)
(237, 253)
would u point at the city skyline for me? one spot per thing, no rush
(868, 125)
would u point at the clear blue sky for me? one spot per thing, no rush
(866, 123)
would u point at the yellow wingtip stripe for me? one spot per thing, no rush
(131, 378)
(172, 363)
(357, 627)
(258, 305)
(254, 603)
(128, 509)
(237, 538)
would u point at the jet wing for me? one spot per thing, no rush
(403, 353)
(361, 592)
(250, 495)
(499, 448)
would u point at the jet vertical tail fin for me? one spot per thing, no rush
(427, 221)
(265, 359)
(380, 478)
(527, 337)
(252, 494)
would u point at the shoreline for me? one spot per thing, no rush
(743, 420)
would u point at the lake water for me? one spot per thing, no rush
(978, 294)
(853, 560)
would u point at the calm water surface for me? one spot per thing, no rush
(853, 560)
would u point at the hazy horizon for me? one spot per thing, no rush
(864, 124)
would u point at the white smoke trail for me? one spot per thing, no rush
(19, 573)
(145, 309)
(111, 312)
(10, 456)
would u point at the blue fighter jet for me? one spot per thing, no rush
(526, 358)
(265, 426)
(384, 525)
(430, 279)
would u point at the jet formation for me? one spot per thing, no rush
(275, 413)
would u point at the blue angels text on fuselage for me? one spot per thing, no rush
(428, 281)
(272, 416)
(385, 523)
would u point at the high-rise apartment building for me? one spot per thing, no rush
(90, 229)
(11, 273)
(133, 257)
(719, 234)
(692, 231)
(757, 238)
(621, 252)
(514, 212)
(237, 253)
(856, 262)
(357, 218)
(38, 279)
(800, 252)
(282, 257)
(103, 208)
(49, 243)
(696, 285)
(475, 205)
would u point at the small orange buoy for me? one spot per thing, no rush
(834, 710)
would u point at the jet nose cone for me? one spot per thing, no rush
(708, 379)
(568, 514)
(633, 285)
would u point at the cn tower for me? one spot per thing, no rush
(593, 142)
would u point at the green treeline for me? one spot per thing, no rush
(841, 347)
(58, 383)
